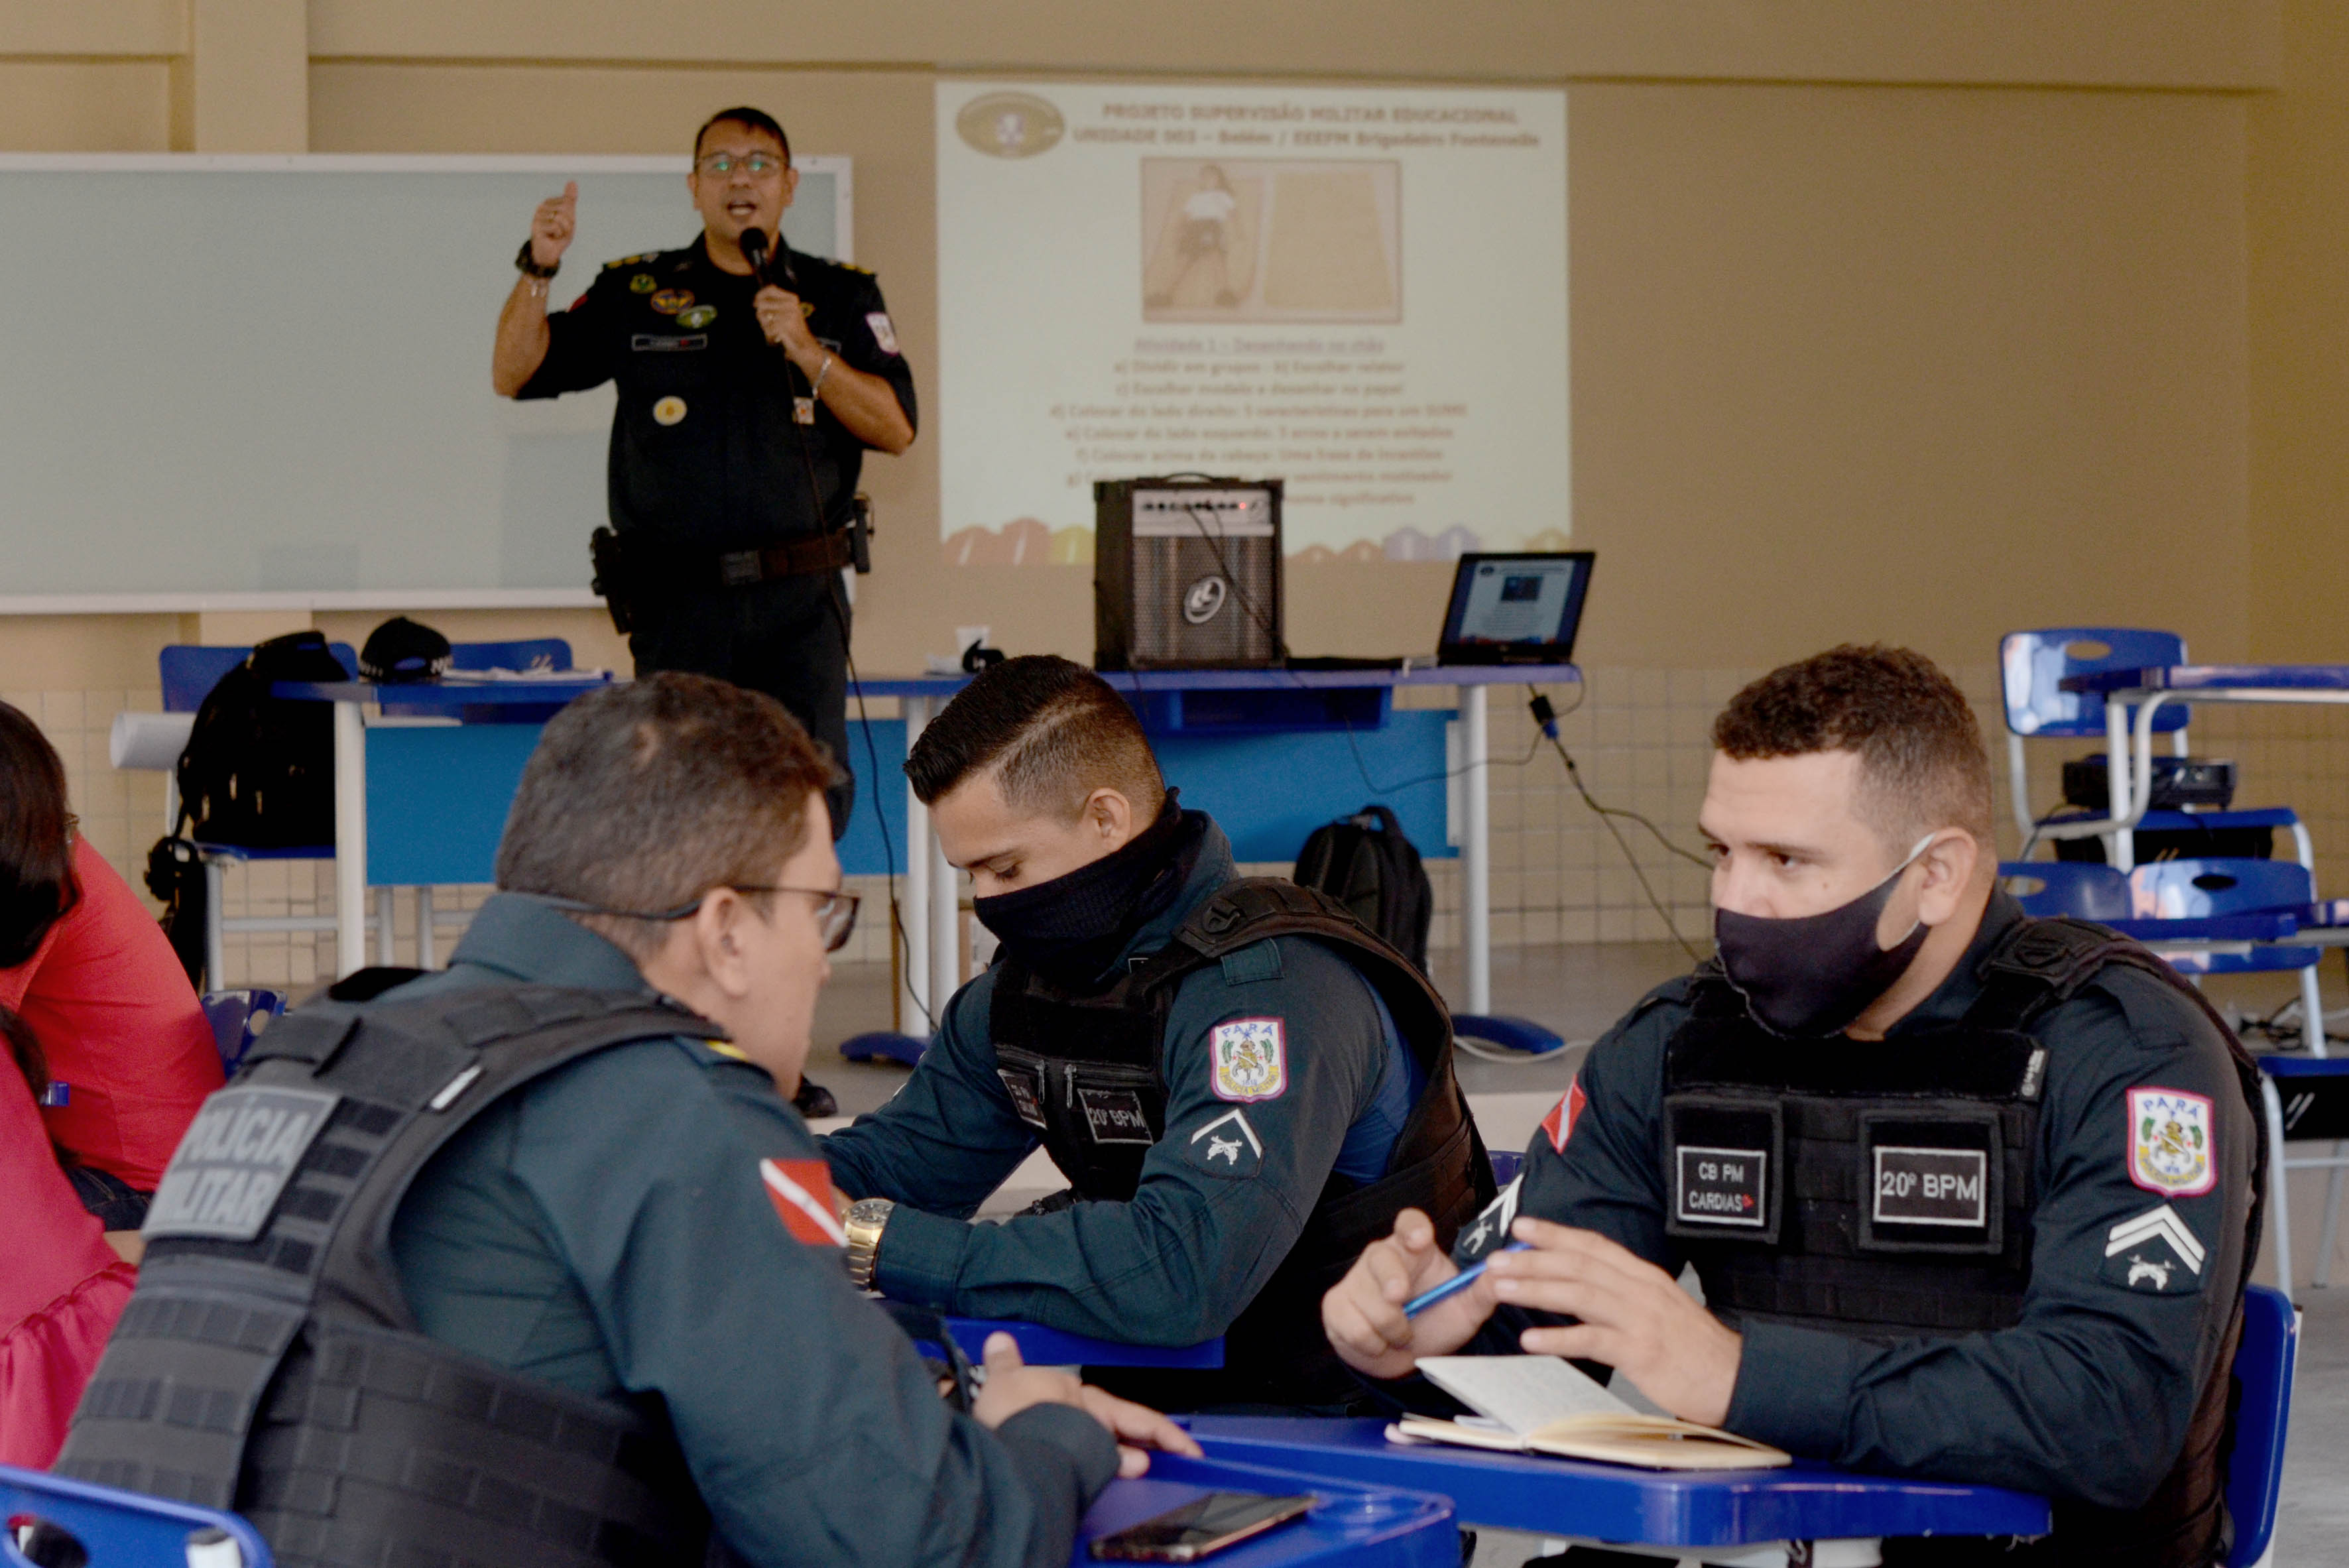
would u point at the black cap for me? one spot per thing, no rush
(402, 650)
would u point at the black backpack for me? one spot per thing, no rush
(258, 772)
(1365, 863)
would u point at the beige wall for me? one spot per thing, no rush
(1899, 322)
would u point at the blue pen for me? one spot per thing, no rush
(1457, 1283)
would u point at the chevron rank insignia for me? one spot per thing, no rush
(2156, 1251)
(1226, 1146)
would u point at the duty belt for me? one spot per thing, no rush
(799, 558)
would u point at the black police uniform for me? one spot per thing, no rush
(583, 1337)
(729, 509)
(1233, 1107)
(2006, 1244)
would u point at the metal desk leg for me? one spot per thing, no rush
(1476, 849)
(1477, 1020)
(2279, 1202)
(945, 915)
(917, 989)
(350, 839)
(914, 982)
(215, 951)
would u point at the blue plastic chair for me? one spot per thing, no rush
(1506, 1163)
(2263, 1366)
(2032, 666)
(123, 1528)
(237, 1018)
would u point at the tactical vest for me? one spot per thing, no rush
(1885, 1189)
(268, 1361)
(1083, 1070)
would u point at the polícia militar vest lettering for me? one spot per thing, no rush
(1885, 1189)
(268, 1362)
(1083, 1070)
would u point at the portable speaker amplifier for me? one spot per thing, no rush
(1187, 574)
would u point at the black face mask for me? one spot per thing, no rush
(1810, 976)
(1070, 929)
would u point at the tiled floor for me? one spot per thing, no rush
(1578, 990)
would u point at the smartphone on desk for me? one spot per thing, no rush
(1200, 1527)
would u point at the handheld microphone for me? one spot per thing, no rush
(753, 243)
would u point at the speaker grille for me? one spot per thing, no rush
(1176, 578)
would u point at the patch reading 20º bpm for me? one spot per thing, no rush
(238, 1155)
(1931, 1186)
(1723, 1187)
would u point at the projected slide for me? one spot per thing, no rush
(1360, 291)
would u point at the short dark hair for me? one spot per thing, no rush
(1921, 762)
(645, 796)
(38, 886)
(1054, 732)
(754, 118)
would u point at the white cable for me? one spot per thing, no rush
(1510, 1057)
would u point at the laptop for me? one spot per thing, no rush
(1522, 609)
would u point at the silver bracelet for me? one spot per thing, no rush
(816, 389)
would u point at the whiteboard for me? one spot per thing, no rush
(260, 382)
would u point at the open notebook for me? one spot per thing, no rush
(1540, 1404)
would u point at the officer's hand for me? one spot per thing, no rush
(1362, 1313)
(1012, 1387)
(552, 226)
(785, 324)
(1635, 1317)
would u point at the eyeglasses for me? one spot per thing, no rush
(836, 911)
(758, 165)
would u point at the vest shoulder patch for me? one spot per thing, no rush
(1259, 961)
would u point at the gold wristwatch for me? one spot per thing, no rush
(865, 1220)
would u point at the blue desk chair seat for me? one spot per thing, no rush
(124, 1529)
(2032, 667)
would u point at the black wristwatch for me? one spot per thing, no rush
(529, 265)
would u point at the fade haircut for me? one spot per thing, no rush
(646, 796)
(1921, 762)
(751, 118)
(1052, 731)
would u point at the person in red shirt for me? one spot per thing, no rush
(89, 971)
(61, 1286)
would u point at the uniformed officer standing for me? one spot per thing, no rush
(1241, 1083)
(527, 1262)
(745, 404)
(1972, 1196)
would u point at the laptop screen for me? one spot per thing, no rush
(1515, 609)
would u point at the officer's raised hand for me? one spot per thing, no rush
(782, 319)
(1013, 1385)
(1635, 1317)
(1363, 1317)
(552, 226)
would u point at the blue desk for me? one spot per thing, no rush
(1303, 733)
(1042, 1347)
(1351, 1526)
(1580, 1501)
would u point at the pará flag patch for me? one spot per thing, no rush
(1559, 1122)
(800, 1191)
(1250, 1059)
(2171, 1138)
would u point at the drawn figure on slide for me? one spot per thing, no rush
(1203, 234)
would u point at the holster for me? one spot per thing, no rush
(609, 558)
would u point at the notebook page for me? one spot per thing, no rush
(1523, 1393)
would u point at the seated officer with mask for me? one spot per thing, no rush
(1242, 1084)
(1972, 1196)
(585, 1334)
